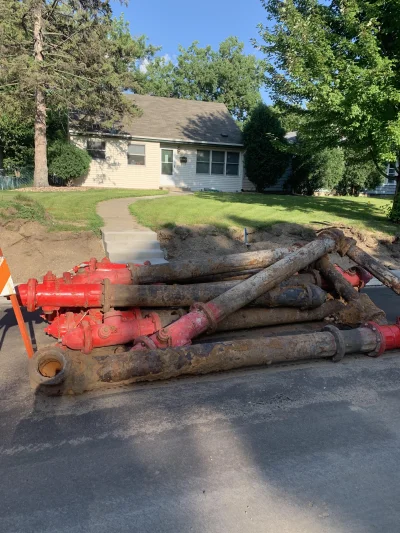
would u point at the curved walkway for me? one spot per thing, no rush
(116, 214)
(125, 240)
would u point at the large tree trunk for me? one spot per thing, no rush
(41, 172)
(394, 214)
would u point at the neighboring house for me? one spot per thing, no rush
(183, 144)
(388, 187)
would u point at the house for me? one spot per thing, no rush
(388, 187)
(183, 144)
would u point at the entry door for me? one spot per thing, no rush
(167, 162)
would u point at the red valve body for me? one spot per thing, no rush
(85, 331)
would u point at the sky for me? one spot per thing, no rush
(169, 23)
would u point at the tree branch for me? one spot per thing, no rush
(379, 167)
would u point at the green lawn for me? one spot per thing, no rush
(257, 211)
(74, 210)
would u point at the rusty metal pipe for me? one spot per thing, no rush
(204, 317)
(195, 268)
(225, 276)
(55, 372)
(335, 279)
(287, 294)
(257, 318)
(311, 276)
(374, 267)
(251, 289)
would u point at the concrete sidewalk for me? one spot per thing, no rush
(125, 240)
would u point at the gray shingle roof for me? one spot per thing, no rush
(182, 120)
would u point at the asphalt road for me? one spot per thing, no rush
(307, 448)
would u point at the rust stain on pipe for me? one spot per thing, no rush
(341, 285)
(76, 375)
(256, 318)
(195, 268)
(375, 268)
(289, 294)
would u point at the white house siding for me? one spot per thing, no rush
(248, 185)
(114, 171)
(185, 173)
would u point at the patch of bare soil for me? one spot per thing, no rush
(191, 241)
(31, 250)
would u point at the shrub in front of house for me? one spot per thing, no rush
(67, 162)
(266, 156)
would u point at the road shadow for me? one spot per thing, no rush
(8, 322)
(296, 449)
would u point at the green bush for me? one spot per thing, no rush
(266, 158)
(67, 161)
(321, 169)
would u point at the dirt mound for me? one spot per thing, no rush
(31, 249)
(191, 241)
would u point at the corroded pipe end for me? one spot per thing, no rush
(343, 243)
(48, 368)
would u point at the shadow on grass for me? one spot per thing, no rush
(335, 207)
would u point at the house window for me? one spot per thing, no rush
(167, 162)
(137, 154)
(218, 162)
(232, 163)
(96, 149)
(203, 161)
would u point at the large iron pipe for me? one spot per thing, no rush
(55, 372)
(195, 268)
(204, 317)
(85, 332)
(337, 280)
(251, 289)
(257, 318)
(53, 296)
(287, 294)
(374, 267)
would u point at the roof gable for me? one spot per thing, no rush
(181, 120)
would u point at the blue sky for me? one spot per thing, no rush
(169, 23)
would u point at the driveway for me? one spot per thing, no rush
(305, 448)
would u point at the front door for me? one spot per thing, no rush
(167, 167)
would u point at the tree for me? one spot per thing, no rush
(360, 173)
(266, 157)
(16, 142)
(225, 75)
(65, 54)
(313, 170)
(338, 61)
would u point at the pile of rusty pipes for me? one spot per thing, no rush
(104, 305)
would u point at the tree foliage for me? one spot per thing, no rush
(65, 54)
(16, 141)
(359, 174)
(67, 161)
(225, 75)
(266, 155)
(338, 60)
(311, 171)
